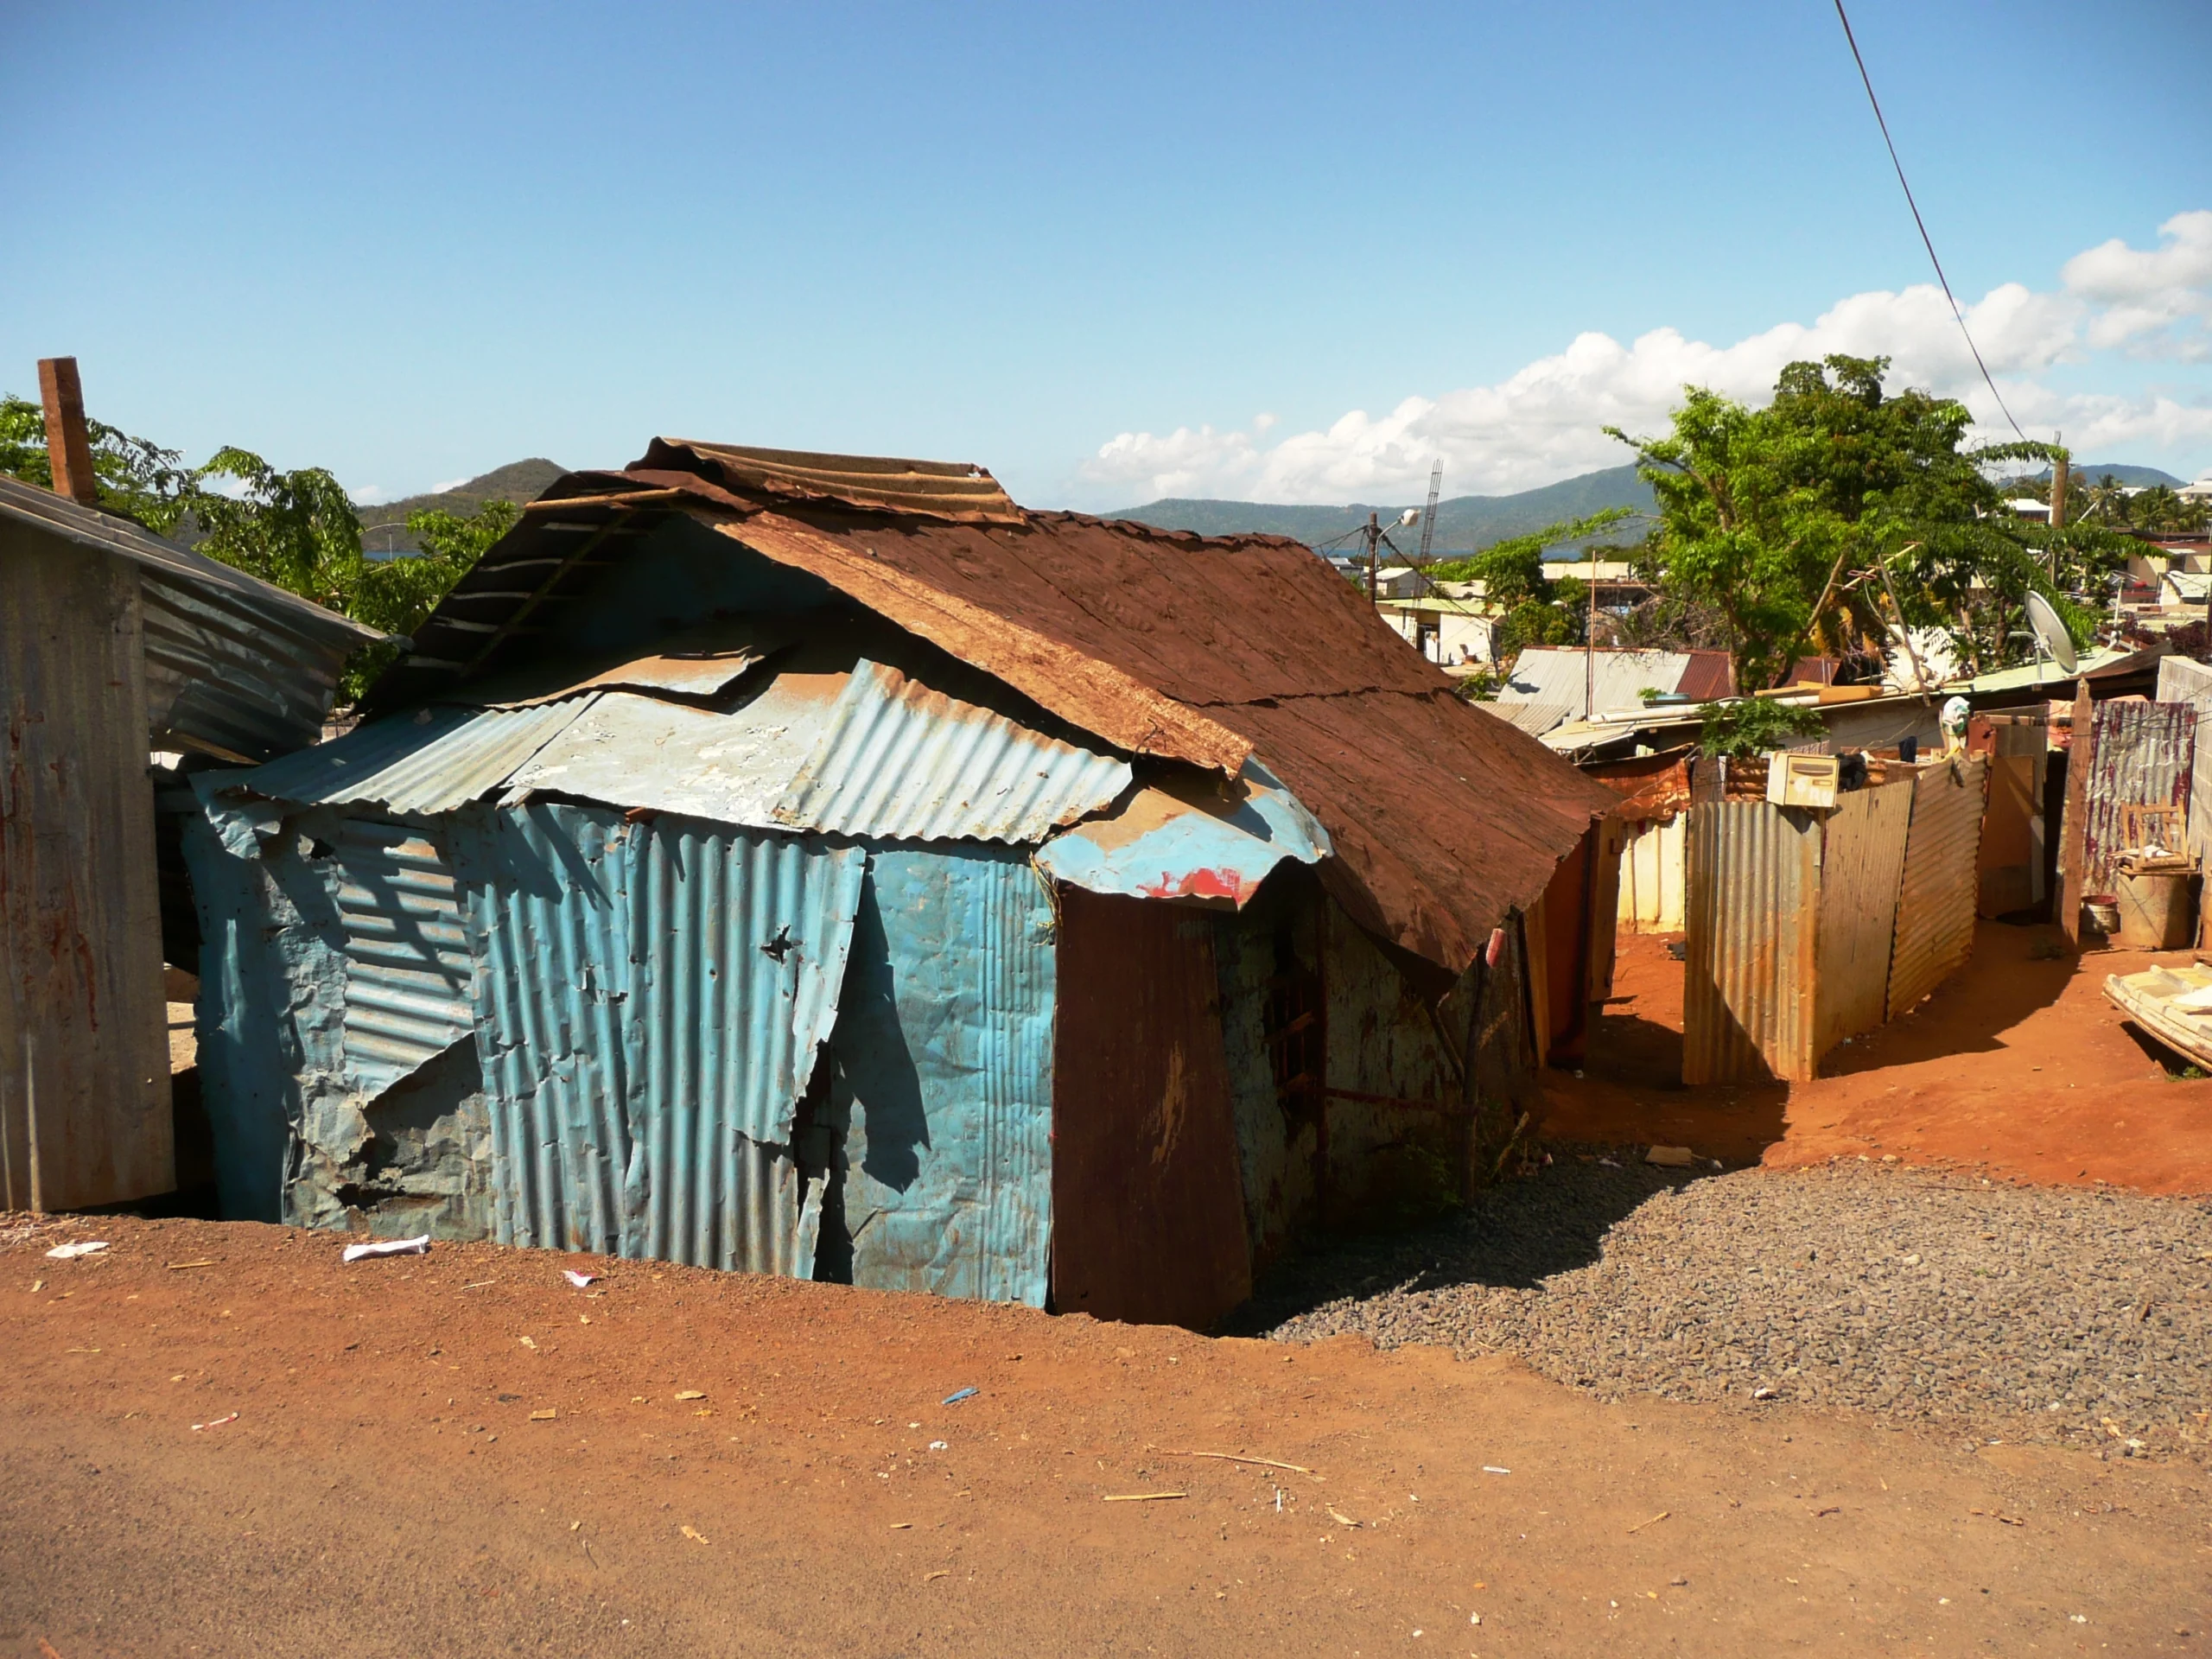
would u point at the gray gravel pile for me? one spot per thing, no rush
(2014, 1312)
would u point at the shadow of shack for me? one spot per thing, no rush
(822, 866)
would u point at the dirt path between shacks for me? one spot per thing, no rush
(463, 1454)
(2017, 1066)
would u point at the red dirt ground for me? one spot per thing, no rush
(2016, 1065)
(352, 1507)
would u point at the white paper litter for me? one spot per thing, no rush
(390, 1246)
(1492, 1469)
(71, 1252)
(579, 1280)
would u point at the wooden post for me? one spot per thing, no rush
(68, 444)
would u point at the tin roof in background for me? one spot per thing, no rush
(235, 665)
(1158, 643)
(1550, 684)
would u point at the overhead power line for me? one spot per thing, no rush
(1925, 240)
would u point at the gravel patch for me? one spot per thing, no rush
(2020, 1314)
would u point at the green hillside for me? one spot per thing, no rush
(383, 526)
(1462, 524)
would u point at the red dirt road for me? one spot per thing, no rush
(352, 1506)
(2016, 1065)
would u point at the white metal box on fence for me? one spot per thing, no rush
(1804, 779)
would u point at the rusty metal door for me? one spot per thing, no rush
(1147, 1200)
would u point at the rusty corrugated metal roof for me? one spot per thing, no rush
(954, 491)
(1159, 642)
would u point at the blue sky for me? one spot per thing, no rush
(1108, 252)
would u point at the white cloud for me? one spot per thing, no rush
(369, 495)
(1542, 423)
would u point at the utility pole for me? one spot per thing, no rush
(1589, 644)
(2062, 463)
(1374, 534)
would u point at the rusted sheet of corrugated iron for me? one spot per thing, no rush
(1189, 838)
(1146, 1197)
(1748, 984)
(1862, 861)
(950, 490)
(870, 753)
(1936, 900)
(83, 1058)
(408, 971)
(2140, 754)
(738, 944)
(427, 762)
(1649, 785)
(942, 1087)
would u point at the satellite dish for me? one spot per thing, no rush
(2052, 631)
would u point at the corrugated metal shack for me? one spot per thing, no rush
(1807, 925)
(821, 865)
(113, 643)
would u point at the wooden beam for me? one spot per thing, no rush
(69, 443)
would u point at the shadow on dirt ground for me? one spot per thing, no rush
(1514, 1234)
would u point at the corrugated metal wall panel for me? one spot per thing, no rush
(944, 1051)
(2140, 756)
(84, 1054)
(408, 971)
(1747, 990)
(1936, 904)
(225, 673)
(1862, 861)
(548, 910)
(737, 942)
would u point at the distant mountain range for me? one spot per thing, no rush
(383, 526)
(2134, 477)
(1462, 524)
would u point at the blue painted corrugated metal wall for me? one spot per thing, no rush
(944, 1050)
(737, 948)
(652, 1001)
(407, 966)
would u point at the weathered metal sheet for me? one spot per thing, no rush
(1936, 902)
(408, 971)
(1148, 1204)
(547, 908)
(425, 762)
(1862, 863)
(1748, 980)
(2181, 679)
(737, 945)
(1553, 682)
(871, 753)
(2140, 754)
(84, 1054)
(942, 1094)
(650, 1003)
(232, 664)
(1192, 838)
(936, 489)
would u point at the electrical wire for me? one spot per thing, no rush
(1925, 240)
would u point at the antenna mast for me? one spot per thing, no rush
(1428, 518)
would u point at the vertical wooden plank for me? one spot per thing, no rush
(68, 444)
(84, 1050)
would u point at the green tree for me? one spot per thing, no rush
(136, 477)
(1837, 511)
